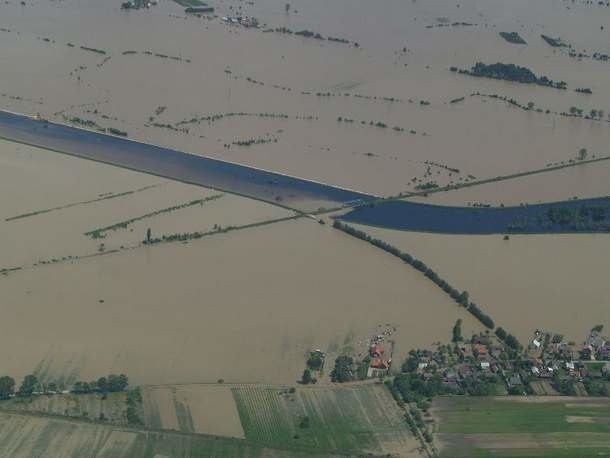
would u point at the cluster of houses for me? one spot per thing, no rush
(244, 21)
(485, 365)
(137, 4)
(380, 361)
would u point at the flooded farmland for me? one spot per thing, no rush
(156, 309)
(168, 163)
(398, 77)
(583, 180)
(186, 237)
(525, 283)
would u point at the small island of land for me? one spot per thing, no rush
(513, 37)
(510, 72)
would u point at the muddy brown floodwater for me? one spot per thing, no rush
(550, 282)
(244, 306)
(383, 117)
(235, 71)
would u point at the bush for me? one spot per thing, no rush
(304, 423)
(7, 387)
(343, 369)
(501, 333)
(423, 404)
(457, 332)
(510, 340)
(315, 361)
(306, 378)
(428, 436)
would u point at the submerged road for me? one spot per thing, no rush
(177, 165)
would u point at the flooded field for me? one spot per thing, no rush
(168, 163)
(582, 181)
(88, 208)
(213, 279)
(301, 286)
(262, 99)
(539, 277)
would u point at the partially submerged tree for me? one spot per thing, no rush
(582, 154)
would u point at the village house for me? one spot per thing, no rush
(378, 367)
(376, 351)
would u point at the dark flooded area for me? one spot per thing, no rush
(168, 163)
(587, 215)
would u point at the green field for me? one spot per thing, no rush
(580, 452)
(350, 419)
(277, 422)
(23, 435)
(501, 427)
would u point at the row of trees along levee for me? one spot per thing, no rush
(462, 298)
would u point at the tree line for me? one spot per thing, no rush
(31, 385)
(509, 72)
(462, 298)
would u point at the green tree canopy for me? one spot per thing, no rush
(7, 387)
(28, 385)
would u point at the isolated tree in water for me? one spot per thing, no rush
(582, 154)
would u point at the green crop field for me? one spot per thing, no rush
(504, 427)
(580, 452)
(359, 418)
(25, 435)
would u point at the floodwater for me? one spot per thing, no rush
(551, 282)
(245, 306)
(168, 163)
(398, 57)
(538, 218)
(61, 198)
(590, 180)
